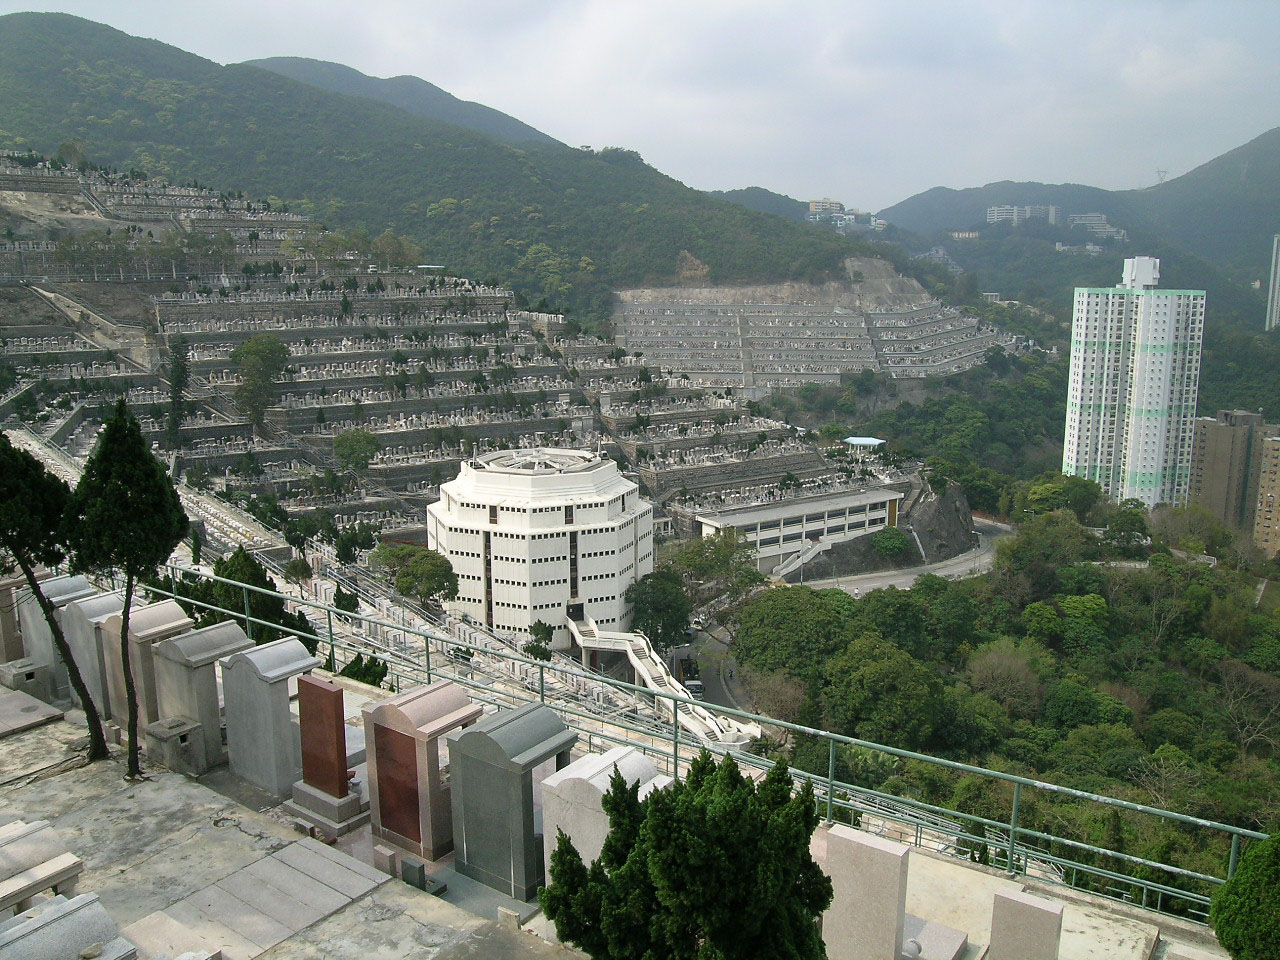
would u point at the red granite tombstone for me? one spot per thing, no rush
(324, 736)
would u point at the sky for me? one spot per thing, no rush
(866, 103)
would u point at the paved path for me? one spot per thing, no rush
(969, 564)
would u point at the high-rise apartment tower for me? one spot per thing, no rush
(1273, 288)
(1131, 400)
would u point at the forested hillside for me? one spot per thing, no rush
(565, 223)
(766, 201)
(1155, 683)
(410, 94)
(1224, 211)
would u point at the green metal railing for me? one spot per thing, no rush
(1009, 844)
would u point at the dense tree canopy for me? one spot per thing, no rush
(662, 608)
(124, 517)
(711, 866)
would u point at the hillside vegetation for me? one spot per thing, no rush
(410, 94)
(1224, 211)
(563, 223)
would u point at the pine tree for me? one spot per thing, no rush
(124, 518)
(710, 867)
(32, 504)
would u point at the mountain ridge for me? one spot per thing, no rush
(567, 224)
(411, 94)
(1224, 210)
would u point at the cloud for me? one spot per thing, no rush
(866, 102)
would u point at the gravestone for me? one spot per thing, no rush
(82, 622)
(37, 637)
(409, 789)
(322, 797)
(492, 763)
(571, 799)
(148, 625)
(869, 881)
(186, 671)
(1024, 927)
(263, 742)
(11, 587)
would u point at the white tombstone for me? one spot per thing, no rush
(82, 623)
(869, 878)
(11, 587)
(187, 685)
(263, 741)
(37, 637)
(1024, 927)
(148, 625)
(571, 799)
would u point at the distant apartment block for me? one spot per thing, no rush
(826, 206)
(1098, 225)
(1135, 372)
(1226, 464)
(1266, 526)
(1018, 215)
(1273, 288)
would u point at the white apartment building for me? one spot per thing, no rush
(1135, 372)
(543, 534)
(1273, 288)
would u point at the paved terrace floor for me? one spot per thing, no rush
(180, 866)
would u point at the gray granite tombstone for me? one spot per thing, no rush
(263, 741)
(37, 638)
(82, 622)
(187, 688)
(495, 836)
(409, 789)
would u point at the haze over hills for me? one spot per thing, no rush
(1224, 211)
(411, 94)
(570, 224)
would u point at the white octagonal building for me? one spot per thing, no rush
(543, 534)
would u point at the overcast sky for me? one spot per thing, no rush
(867, 103)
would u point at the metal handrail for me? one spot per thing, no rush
(1013, 846)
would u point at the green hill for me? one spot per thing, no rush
(1224, 211)
(570, 224)
(410, 94)
(766, 201)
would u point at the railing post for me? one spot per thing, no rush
(248, 622)
(542, 683)
(426, 649)
(1235, 855)
(333, 657)
(1013, 827)
(675, 740)
(831, 775)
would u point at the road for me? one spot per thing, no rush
(720, 677)
(969, 564)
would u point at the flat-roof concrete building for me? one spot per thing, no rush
(779, 530)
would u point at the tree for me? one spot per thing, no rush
(539, 646)
(32, 504)
(662, 608)
(124, 517)
(298, 570)
(417, 571)
(712, 866)
(1245, 912)
(260, 360)
(179, 377)
(355, 448)
(890, 543)
(878, 692)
